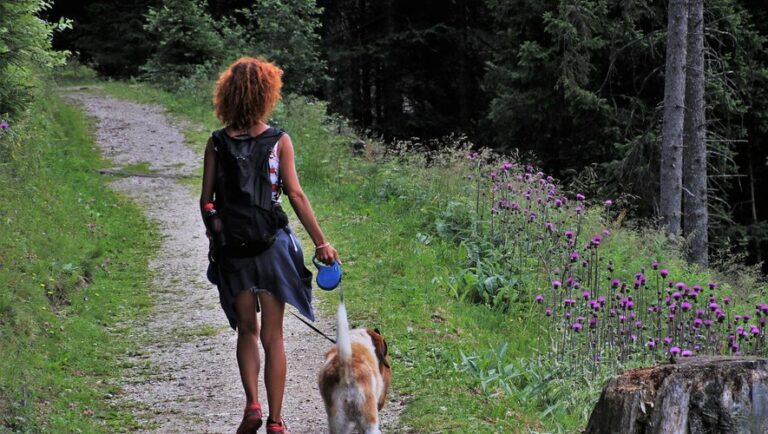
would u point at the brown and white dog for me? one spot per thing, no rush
(354, 378)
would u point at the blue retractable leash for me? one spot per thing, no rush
(328, 278)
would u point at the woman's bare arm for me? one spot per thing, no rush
(300, 203)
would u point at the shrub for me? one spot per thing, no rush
(188, 44)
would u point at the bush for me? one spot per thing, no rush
(25, 44)
(188, 44)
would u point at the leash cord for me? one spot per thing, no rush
(341, 296)
(312, 327)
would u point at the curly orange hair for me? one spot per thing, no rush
(247, 92)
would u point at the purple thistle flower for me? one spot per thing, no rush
(745, 318)
(655, 265)
(667, 340)
(601, 300)
(664, 273)
(580, 196)
(579, 209)
(639, 324)
(596, 240)
(726, 299)
(548, 311)
(676, 295)
(754, 330)
(615, 282)
(558, 203)
(651, 344)
(550, 227)
(4, 125)
(592, 321)
(674, 351)
(685, 306)
(584, 262)
(576, 326)
(472, 156)
(574, 256)
(697, 322)
(556, 284)
(713, 306)
(712, 285)
(569, 234)
(707, 323)
(539, 298)
(680, 285)
(506, 166)
(608, 203)
(585, 295)
(686, 353)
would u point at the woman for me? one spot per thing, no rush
(243, 98)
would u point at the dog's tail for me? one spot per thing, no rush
(343, 342)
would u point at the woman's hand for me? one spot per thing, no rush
(326, 254)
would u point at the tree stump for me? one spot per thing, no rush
(695, 395)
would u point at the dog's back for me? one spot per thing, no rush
(354, 379)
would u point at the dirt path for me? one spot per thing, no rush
(185, 379)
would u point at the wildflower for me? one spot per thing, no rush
(754, 330)
(574, 256)
(558, 203)
(633, 337)
(472, 156)
(680, 285)
(697, 322)
(655, 265)
(493, 175)
(685, 306)
(608, 203)
(674, 351)
(667, 340)
(4, 125)
(596, 240)
(548, 311)
(606, 232)
(601, 300)
(585, 295)
(550, 227)
(584, 262)
(592, 321)
(579, 210)
(506, 166)
(539, 298)
(676, 295)
(569, 234)
(712, 285)
(639, 324)
(615, 282)
(556, 284)
(576, 326)
(713, 306)
(686, 353)
(580, 196)
(707, 323)
(726, 299)
(664, 273)
(651, 344)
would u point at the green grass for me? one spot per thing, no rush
(74, 270)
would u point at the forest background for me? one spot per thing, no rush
(574, 86)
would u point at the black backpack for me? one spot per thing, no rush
(243, 193)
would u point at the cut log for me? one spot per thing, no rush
(694, 395)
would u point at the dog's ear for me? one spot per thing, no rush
(380, 345)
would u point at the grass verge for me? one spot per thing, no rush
(73, 268)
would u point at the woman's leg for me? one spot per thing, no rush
(247, 344)
(275, 368)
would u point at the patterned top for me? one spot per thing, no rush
(274, 173)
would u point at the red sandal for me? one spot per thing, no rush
(251, 419)
(276, 427)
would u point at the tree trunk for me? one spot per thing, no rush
(696, 217)
(671, 174)
(698, 395)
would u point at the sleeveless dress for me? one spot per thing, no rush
(279, 270)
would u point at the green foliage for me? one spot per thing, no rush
(73, 268)
(285, 32)
(188, 45)
(25, 44)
